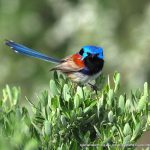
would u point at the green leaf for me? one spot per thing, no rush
(76, 100)
(99, 105)
(53, 88)
(127, 129)
(108, 83)
(127, 139)
(121, 103)
(128, 105)
(66, 92)
(86, 93)
(110, 116)
(11, 96)
(134, 118)
(63, 120)
(87, 137)
(87, 109)
(116, 80)
(44, 98)
(110, 96)
(144, 99)
(78, 97)
(9, 92)
(142, 103)
(80, 91)
(55, 75)
(138, 93)
(97, 131)
(16, 94)
(47, 127)
(136, 132)
(113, 129)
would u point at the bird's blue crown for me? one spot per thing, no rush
(93, 50)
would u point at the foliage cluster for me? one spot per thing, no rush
(70, 116)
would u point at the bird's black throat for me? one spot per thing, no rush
(93, 64)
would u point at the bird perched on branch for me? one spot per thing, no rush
(81, 67)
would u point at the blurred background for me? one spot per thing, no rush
(60, 28)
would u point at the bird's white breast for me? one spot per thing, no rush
(82, 78)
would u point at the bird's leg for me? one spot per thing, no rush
(94, 87)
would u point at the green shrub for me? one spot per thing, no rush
(70, 116)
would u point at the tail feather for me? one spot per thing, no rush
(18, 48)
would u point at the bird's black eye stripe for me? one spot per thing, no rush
(81, 52)
(89, 54)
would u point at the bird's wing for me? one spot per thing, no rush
(72, 63)
(18, 48)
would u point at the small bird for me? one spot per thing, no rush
(81, 67)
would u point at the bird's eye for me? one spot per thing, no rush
(81, 52)
(89, 54)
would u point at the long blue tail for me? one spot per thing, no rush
(18, 48)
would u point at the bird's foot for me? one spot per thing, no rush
(94, 87)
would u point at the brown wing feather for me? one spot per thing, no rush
(73, 63)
